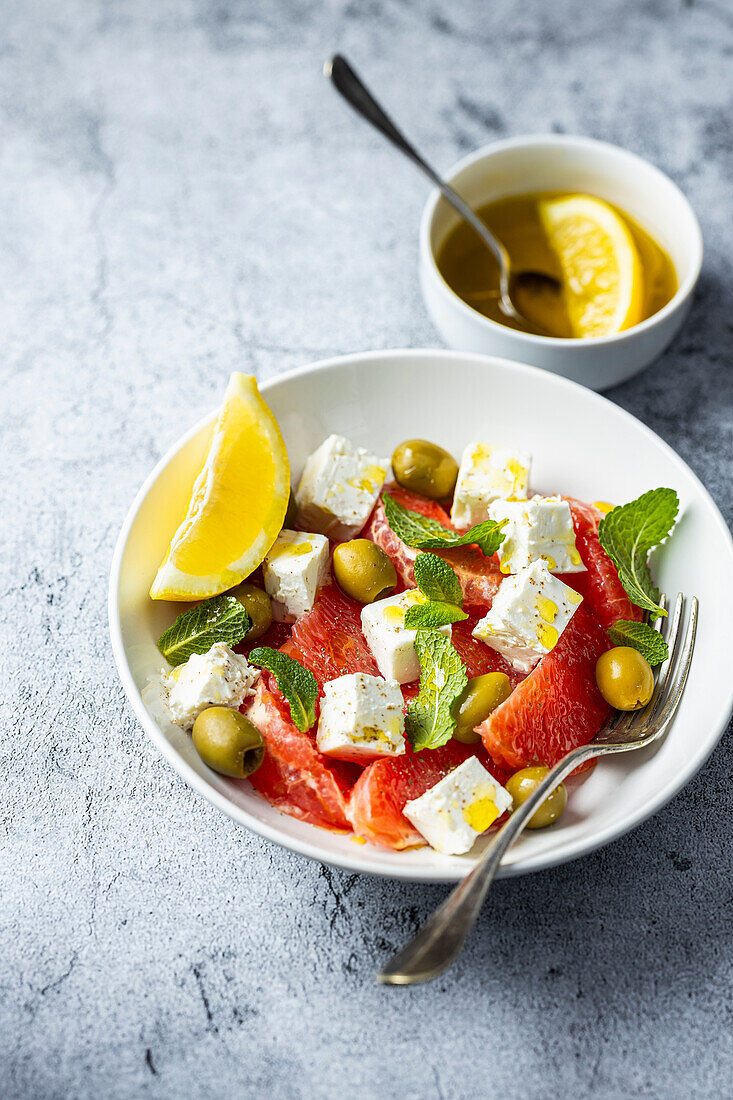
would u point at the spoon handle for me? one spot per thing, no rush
(360, 98)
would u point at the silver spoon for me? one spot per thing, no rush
(357, 95)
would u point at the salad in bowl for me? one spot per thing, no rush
(398, 646)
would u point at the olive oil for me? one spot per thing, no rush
(472, 273)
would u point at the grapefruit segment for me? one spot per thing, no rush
(603, 594)
(294, 776)
(557, 707)
(379, 796)
(328, 639)
(479, 576)
(380, 532)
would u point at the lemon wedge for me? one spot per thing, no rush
(603, 277)
(237, 505)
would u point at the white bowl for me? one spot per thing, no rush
(558, 163)
(378, 399)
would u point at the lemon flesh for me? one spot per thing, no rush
(602, 274)
(237, 505)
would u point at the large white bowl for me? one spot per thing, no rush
(559, 162)
(582, 445)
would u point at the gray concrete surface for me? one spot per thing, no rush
(182, 194)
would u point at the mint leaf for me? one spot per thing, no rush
(423, 533)
(220, 619)
(297, 683)
(641, 636)
(436, 580)
(433, 615)
(429, 722)
(488, 536)
(629, 532)
(410, 526)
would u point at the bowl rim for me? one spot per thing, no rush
(635, 162)
(380, 864)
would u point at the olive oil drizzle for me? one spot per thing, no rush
(472, 273)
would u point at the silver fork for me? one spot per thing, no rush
(440, 941)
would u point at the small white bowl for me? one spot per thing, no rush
(561, 163)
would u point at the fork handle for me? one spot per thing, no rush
(441, 939)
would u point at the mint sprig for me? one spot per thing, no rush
(629, 532)
(437, 581)
(296, 682)
(220, 619)
(423, 533)
(429, 722)
(641, 636)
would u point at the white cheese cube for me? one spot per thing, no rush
(219, 678)
(339, 488)
(486, 474)
(392, 645)
(538, 528)
(529, 613)
(294, 569)
(361, 718)
(453, 813)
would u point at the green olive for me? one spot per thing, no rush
(625, 678)
(258, 606)
(481, 695)
(228, 742)
(523, 783)
(363, 570)
(425, 468)
(292, 512)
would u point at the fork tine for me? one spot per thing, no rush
(638, 717)
(658, 623)
(657, 714)
(666, 713)
(673, 637)
(628, 718)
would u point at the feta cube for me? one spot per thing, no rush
(486, 474)
(538, 528)
(339, 488)
(294, 569)
(361, 718)
(219, 678)
(392, 645)
(529, 613)
(453, 813)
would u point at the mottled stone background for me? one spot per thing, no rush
(181, 194)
